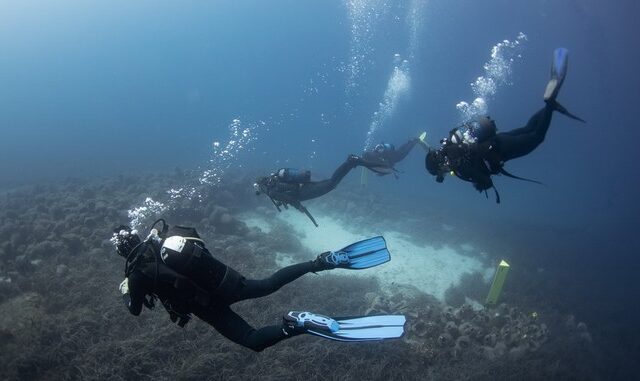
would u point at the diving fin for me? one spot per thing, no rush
(562, 110)
(422, 140)
(504, 172)
(558, 73)
(365, 328)
(380, 170)
(360, 255)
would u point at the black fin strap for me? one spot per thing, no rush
(504, 172)
(497, 195)
(306, 211)
(562, 110)
(275, 204)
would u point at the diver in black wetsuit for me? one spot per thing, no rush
(475, 152)
(290, 186)
(157, 268)
(384, 156)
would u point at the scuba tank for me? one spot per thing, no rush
(484, 128)
(291, 175)
(384, 147)
(463, 135)
(184, 252)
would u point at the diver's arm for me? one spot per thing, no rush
(287, 199)
(284, 198)
(481, 177)
(133, 294)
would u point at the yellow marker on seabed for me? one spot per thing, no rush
(363, 177)
(498, 282)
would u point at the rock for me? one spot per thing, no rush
(36, 262)
(445, 339)
(468, 329)
(489, 353)
(448, 314)
(570, 323)
(62, 270)
(463, 342)
(452, 329)
(585, 337)
(500, 349)
(22, 264)
(226, 218)
(490, 339)
(518, 352)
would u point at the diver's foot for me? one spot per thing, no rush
(328, 260)
(331, 260)
(296, 322)
(558, 73)
(562, 110)
(551, 91)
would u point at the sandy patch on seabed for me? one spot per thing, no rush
(429, 269)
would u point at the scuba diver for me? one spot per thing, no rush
(384, 156)
(290, 186)
(475, 152)
(174, 266)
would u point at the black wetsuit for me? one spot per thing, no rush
(283, 193)
(383, 162)
(293, 193)
(182, 298)
(477, 162)
(521, 141)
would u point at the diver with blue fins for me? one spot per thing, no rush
(384, 156)
(174, 266)
(289, 186)
(474, 152)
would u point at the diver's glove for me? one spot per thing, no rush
(149, 302)
(124, 286)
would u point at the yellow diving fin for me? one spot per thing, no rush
(498, 282)
(423, 141)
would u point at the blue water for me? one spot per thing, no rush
(98, 89)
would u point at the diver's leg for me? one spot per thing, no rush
(343, 169)
(252, 288)
(521, 141)
(538, 123)
(315, 189)
(404, 150)
(235, 328)
(319, 188)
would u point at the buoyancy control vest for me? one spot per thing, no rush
(183, 271)
(184, 251)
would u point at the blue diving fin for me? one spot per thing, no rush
(351, 329)
(360, 255)
(558, 73)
